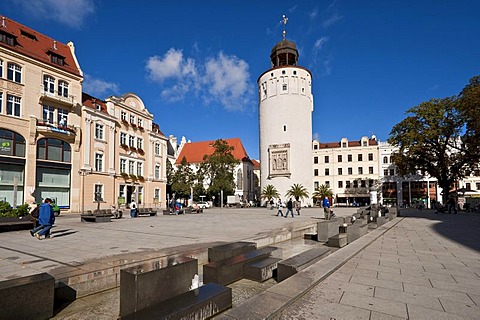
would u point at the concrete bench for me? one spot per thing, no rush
(327, 229)
(262, 270)
(201, 303)
(13, 224)
(229, 250)
(289, 267)
(230, 270)
(95, 218)
(338, 241)
(29, 297)
(146, 211)
(356, 230)
(310, 236)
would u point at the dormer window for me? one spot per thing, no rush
(7, 38)
(98, 107)
(57, 59)
(28, 35)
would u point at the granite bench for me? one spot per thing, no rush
(262, 270)
(229, 250)
(288, 267)
(95, 218)
(231, 269)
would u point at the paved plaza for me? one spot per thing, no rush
(419, 266)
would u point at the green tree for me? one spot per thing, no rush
(182, 180)
(269, 192)
(170, 172)
(297, 191)
(440, 138)
(321, 192)
(218, 168)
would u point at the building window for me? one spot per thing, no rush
(1, 101)
(98, 107)
(123, 138)
(62, 117)
(131, 141)
(157, 195)
(344, 144)
(13, 105)
(385, 160)
(315, 160)
(157, 149)
(63, 88)
(13, 144)
(392, 172)
(316, 185)
(350, 171)
(98, 162)
(124, 116)
(132, 119)
(285, 128)
(478, 185)
(139, 143)
(370, 157)
(347, 184)
(327, 171)
(370, 170)
(157, 171)
(99, 131)
(8, 39)
(53, 150)
(355, 183)
(364, 143)
(360, 170)
(98, 195)
(284, 87)
(340, 184)
(14, 73)
(327, 184)
(57, 59)
(362, 184)
(315, 172)
(48, 84)
(349, 158)
(140, 122)
(48, 114)
(1, 68)
(327, 159)
(139, 169)
(123, 166)
(360, 157)
(385, 172)
(315, 147)
(339, 158)
(370, 183)
(340, 171)
(131, 166)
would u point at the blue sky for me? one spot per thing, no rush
(195, 63)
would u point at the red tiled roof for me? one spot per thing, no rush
(37, 46)
(92, 102)
(194, 151)
(329, 145)
(256, 164)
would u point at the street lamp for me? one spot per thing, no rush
(83, 172)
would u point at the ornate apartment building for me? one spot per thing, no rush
(59, 143)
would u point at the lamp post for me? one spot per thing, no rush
(83, 172)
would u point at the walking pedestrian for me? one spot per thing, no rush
(452, 205)
(46, 219)
(289, 208)
(326, 208)
(133, 209)
(298, 206)
(279, 204)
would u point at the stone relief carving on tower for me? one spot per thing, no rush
(279, 164)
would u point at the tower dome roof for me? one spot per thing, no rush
(284, 53)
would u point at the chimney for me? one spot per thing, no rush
(54, 45)
(3, 22)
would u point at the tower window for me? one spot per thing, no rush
(294, 72)
(271, 74)
(283, 71)
(285, 128)
(284, 87)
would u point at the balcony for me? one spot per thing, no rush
(45, 126)
(55, 97)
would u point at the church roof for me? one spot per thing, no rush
(37, 46)
(194, 151)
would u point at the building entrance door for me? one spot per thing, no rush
(131, 194)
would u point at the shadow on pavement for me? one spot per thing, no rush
(62, 233)
(462, 228)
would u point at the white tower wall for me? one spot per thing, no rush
(285, 119)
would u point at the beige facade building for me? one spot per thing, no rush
(348, 168)
(57, 143)
(40, 117)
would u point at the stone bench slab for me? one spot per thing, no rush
(291, 266)
(262, 270)
(229, 250)
(95, 218)
(338, 241)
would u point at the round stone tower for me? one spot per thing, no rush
(285, 117)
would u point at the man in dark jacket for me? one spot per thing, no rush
(289, 208)
(46, 219)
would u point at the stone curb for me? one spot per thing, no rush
(277, 298)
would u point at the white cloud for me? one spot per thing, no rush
(72, 13)
(98, 87)
(331, 5)
(292, 9)
(319, 43)
(223, 78)
(314, 13)
(327, 67)
(316, 136)
(332, 20)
